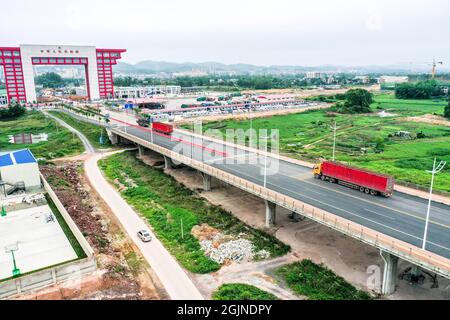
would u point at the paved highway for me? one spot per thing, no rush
(402, 216)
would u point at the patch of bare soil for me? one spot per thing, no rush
(123, 273)
(430, 119)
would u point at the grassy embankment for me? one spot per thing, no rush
(240, 291)
(61, 142)
(317, 282)
(366, 141)
(91, 131)
(167, 205)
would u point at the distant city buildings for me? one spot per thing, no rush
(313, 75)
(362, 79)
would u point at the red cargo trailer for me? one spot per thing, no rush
(162, 127)
(365, 181)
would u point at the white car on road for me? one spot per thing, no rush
(144, 235)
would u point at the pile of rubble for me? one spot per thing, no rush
(225, 249)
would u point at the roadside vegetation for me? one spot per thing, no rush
(13, 111)
(92, 132)
(172, 210)
(447, 110)
(385, 140)
(317, 282)
(61, 142)
(240, 291)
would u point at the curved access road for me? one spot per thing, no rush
(174, 279)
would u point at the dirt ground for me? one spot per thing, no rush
(122, 272)
(347, 257)
(430, 119)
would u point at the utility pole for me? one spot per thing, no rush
(334, 139)
(265, 162)
(436, 169)
(182, 232)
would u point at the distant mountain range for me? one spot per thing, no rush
(156, 67)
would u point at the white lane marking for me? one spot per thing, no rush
(232, 157)
(380, 214)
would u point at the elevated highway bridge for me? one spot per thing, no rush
(393, 225)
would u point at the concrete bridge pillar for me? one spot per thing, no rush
(206, 182)
(167, 162)
(415, 270)
(271, 209)
(390, 272)
(141, 150)
(115, 139)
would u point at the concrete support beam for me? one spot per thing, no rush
(114, 138)
(271, 209)
(167, 162)
(390, 272)
(141, 150)
(415, 270)
(206, 182)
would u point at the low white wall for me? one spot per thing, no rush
(72, 271)
(73, 227)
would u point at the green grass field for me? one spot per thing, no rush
(240, 291)
(367, 141)
(168, 205)
(61, 142)
(91, 131)
(317, 282)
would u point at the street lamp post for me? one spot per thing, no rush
(334, 139)
(11, 249)
(436, 169)
(265, 162)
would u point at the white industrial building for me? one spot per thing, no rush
(313, 75)
(393, 79)
(17, 167)
(142, 92)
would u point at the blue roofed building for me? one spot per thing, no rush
(19, 167)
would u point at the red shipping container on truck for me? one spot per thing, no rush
(358, 177)
(162, 127)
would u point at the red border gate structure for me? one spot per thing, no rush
(17, 63)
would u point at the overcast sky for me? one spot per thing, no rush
(263, 32)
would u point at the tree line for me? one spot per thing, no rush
(54, 80)
(420, 90)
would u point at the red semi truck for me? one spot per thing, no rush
(364, 181)
(162, 127)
